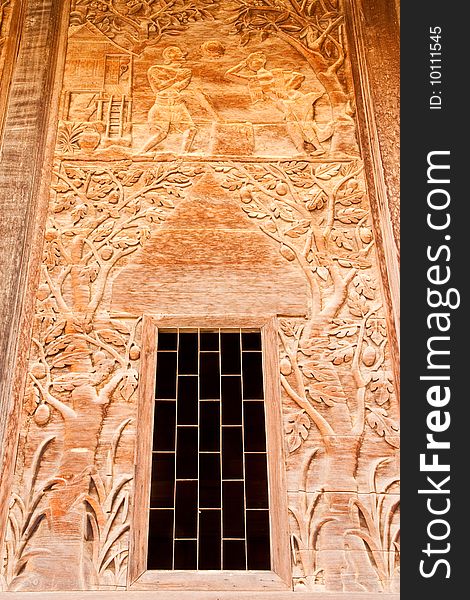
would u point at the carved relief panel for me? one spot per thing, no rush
(206, 163)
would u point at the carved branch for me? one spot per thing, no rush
(322, 424)
(338, 298)
(56, 291)
(65, 411)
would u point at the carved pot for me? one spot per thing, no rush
(90, 139)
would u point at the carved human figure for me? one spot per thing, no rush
(282, 88)
(169, 110)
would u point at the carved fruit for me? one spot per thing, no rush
(134, 353)
(38, 370)
(106, 253)
(287, 253)
(246, 196)
(281, 188)
(368, 356)
(99, 357)
(365, 234)
(286, 367)
(42, 414)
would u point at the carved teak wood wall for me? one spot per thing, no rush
(207, 163)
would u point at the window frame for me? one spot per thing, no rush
(280, 575)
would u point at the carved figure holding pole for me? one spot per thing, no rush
(169, 110)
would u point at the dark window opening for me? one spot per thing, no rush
(209, 506)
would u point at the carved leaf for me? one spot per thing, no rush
(289, 328)
(327, 171)
(64, 202)
(124, 242)
(79, 212)
(58, 345)
(111, 337)
(70, 359)
(54, 331)
(383, 425)
(297, 429)
(91, 271)
(254, 214)
(61, 186)
(381, 385)
(128, 385)
(299, 229)
(350, 193)
(283, 212)
(78, 176)
(345, 330)
(318, 200)
(365, 285)
(324, 385)
(63, 386)
(376, 330)
(103, 231)
(270, 226)
(121, 327)
(154, 214)
(82, 324)
(129, 178)
(341, 352)
(350, 215)
(357, 305)
(322, 272)
(342, 238)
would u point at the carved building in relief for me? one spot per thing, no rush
(208, 161)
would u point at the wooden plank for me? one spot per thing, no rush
(373, 33)
(209, 580)
(276, 454)
(188, 595)
(25, 163)
(143, 455)
(11, 22)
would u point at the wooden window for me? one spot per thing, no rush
(210, 491)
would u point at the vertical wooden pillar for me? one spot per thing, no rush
(38, 30)
(374, 41)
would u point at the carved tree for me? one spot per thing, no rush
(138, 24)
(83, 358)
(315, 212)
(314, 28)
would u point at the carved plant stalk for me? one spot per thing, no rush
(304, 544)
(341, 443)
(380, 534)
(107, 505)
(24, 519)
